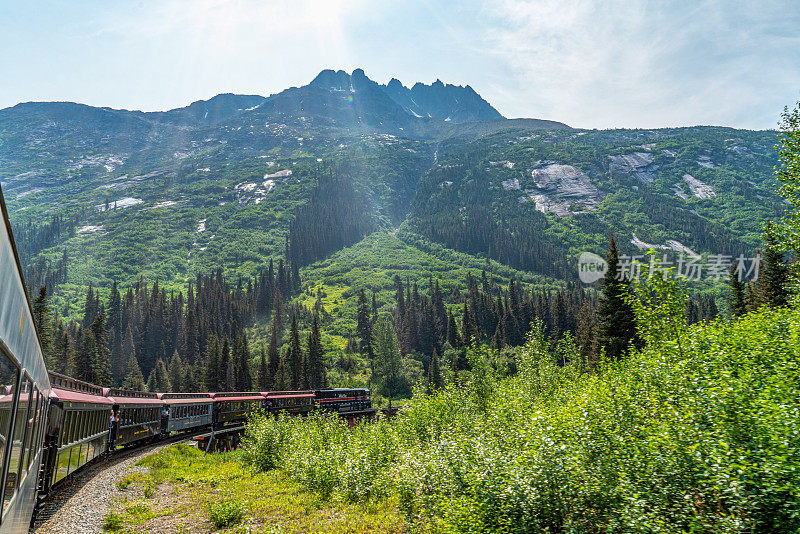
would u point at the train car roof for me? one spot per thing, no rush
(291, 396)
(136, 400)
(171, 398)
(193, 400)
(343, 389)
(66, 395)
(237, 396)
(64, 382)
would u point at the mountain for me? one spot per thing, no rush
(342, 177)
(210, 111)
(444, 102)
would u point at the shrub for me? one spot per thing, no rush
(226, 512)
(112, 522)
(695, 432)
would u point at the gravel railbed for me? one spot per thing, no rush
(80, 506)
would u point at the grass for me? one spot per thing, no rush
(221, 493)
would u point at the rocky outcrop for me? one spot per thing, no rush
(699, 188)
(563, 189)
(638, 164)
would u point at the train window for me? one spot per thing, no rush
(33, 423)
(8, 377)
(13, 474)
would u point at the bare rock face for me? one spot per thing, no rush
(563, 190)
(705, 161)
(699, 188)
(638, 164)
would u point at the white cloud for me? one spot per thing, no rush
(613, 63)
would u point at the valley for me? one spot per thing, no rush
(357, 184)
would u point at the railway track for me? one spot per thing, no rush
(80, 504)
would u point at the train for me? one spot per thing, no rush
(85, 421)
(52, 425)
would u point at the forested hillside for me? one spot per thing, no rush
(358, 188)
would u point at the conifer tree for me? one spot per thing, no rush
(175, 369)
(616, 321)
(102, 362)
(44, 327)
(388, 363)
(90, 308)
(263, 380)
(316, 364)
(364, 325)
(736, 296)
(86, 357)
(468, 327)
(116, 334)
(773, 280)
(191, 345)
(283, 378)
(214, 382)
(273, 356)
(63, 360)
(159, 378)
(243, 376)
(133, 374)
(435, 380)
(295, 355)
(224, 367)
(452, 331)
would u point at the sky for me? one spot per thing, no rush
(590, 64)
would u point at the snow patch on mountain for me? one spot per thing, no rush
(125, 202)
(90, 229)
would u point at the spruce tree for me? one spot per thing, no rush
(175, 369)
(102, 361)
(86, 357)
(388, 363)
(64, 356)
(214, 382)
(616, 321)
(159, 378)
(364, 325)
(44, 327)
(263, 378)
(116, 334)
(435, 380)
(224, 367)
(295, 355)
(316, 364)
(243, 379)
(468, 327)
(133, 374)
(283, 378)
(452, 331)
(273, 355)
(736, 297)
(773, 280)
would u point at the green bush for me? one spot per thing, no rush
(226, 512)
(697, 432)
(112, 522)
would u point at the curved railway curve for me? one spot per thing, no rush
(52, 426)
